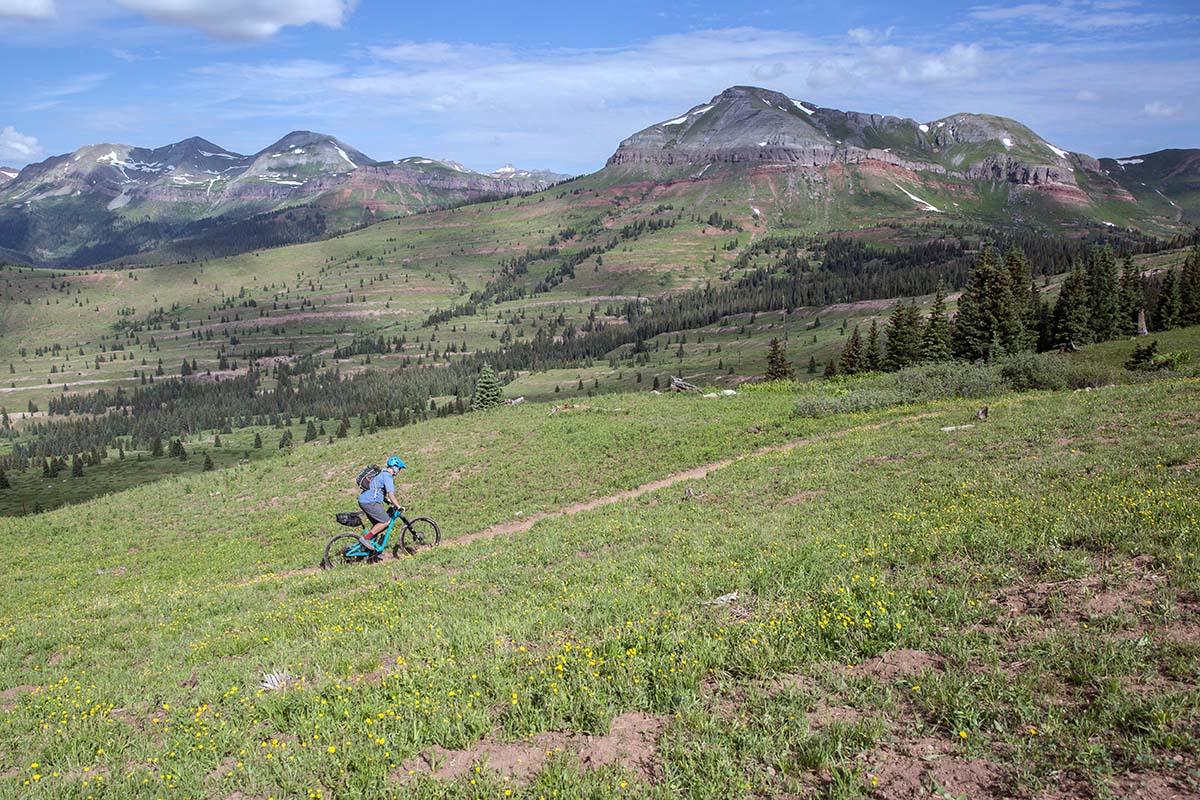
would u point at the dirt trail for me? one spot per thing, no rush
(695, 473)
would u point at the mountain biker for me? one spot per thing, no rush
(382, 487)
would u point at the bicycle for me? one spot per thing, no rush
(346, 548)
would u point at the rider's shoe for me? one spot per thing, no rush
(367, 543)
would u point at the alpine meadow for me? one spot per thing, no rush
(765, 450)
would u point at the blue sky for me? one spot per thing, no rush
(558, 85)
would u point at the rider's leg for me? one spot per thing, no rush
(377, 528)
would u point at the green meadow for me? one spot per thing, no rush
(926, 604)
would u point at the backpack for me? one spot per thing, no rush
(363, 481)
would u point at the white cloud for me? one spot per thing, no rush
(27, 9)
(17, 149)
(242, 19)
(1079, 15)
(1157, 108)
(1087, 96)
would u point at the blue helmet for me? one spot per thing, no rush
(395, 462)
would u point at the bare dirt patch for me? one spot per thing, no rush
(631, 744)
(899, 664)
(803, 497)
(918, 768)
(8, 695)
(1157, 786)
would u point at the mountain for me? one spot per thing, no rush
(7, 174)
(509, 171)
(1169, 179)
(870, 164)
(105, 201)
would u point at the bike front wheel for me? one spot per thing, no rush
(343, 550)
(419, 534)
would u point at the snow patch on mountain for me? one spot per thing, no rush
(1124, 161)
(803, 107)
(924, 204)
(342, 153)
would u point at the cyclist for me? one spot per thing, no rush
(382, 487)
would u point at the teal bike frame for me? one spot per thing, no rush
(381, 541)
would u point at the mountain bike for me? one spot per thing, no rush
(415, 535)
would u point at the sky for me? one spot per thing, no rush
(558, 85)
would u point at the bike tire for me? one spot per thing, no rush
(419, 534)
(336, 549)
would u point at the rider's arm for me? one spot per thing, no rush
(391, 496)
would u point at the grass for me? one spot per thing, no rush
(1042, 566)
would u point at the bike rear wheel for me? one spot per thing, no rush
(419, 534)
(338, 552)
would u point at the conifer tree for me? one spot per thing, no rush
(285, 441)
(487, 390)
(156, 447)
(935, 338)
(778, 366)
(1169, 304)
(310, 432)
(209, 466)
(1024, 295)
(1131, 299)
(258, 441)
(76, 467)
(4, 484)
(903, 333)
(975, 324)
(812, 365)
(830, 368)
(1069, 322)
(1103, 297)
(853, 357)
(1189, 289)
(873, 356)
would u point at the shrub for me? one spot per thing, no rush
(853, 401)
(946, 380)
(1024, 371)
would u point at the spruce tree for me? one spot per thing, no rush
(1189, 289)
(1131, 298)
(935, 338)
(853, 358)
(873, 356)
(310, 432)
(258, 441)
(1024, 296)
(1069, 322)
(156, 447)
(1169, 304)
(975, 324)
(903, 332)
(812, 365)
(76, 467)
(1103, 296)
(209, 466)
(487, 390)
(778, 366)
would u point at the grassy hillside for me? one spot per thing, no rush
(999, 610)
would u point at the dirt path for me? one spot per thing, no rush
(695, 473)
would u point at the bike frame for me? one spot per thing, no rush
(358, 551)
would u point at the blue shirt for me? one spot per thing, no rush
(381, 484)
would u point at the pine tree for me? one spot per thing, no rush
(156, 447)
(285, 441)
(310, 432)
(853, 358)
(1189, 289)
(903, 333)
(1069, 321)
(488, 393)
(1103, 296)
(1169, 305)
(76, 467)
(830, 368)
(778, 366)
(1131, 298)
(217, 440)
(812, 365)
(209, 466)
(258, 441)
(1025, 296)
(873, 356)
(935, 338)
